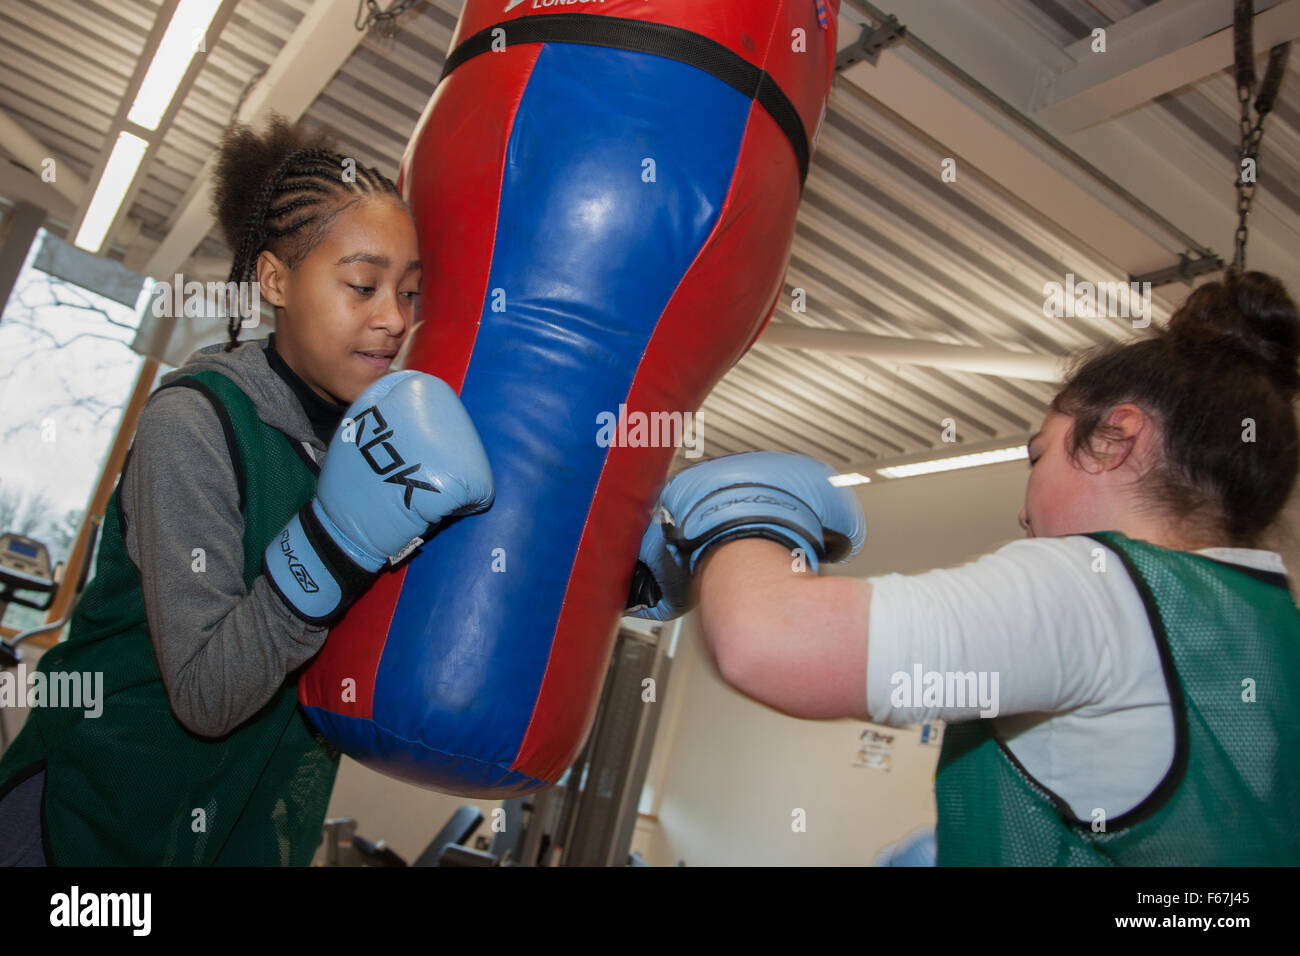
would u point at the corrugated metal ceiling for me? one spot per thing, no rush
(882, 246)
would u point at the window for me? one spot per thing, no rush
(66, 373)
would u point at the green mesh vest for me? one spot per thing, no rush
(1232, 795)
(133, 786)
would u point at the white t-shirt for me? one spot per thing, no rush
(1081, 696)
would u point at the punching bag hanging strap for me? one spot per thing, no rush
(639, 36)
(1243, 43)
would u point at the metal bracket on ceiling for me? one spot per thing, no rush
(872, 42)
(1186, 270)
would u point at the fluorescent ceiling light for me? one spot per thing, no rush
(120, 169)
(180, 42)
(850, 478)
(955, 462)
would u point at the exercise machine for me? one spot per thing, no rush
(450, 847)
(588, 817)
(25, 566)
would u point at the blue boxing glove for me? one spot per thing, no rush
(405, 457)
(766, 494)
(661, 587)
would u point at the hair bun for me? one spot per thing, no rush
(245, 160)
(1249, 314)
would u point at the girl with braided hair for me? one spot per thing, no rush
(198, 754)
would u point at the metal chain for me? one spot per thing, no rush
(382, 23)
(248, 88)
(1248, 153)
(1248, 150)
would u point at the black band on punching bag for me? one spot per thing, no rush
(638, 36)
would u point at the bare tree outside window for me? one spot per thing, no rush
(66, 373)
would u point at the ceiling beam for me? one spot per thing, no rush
(31, 154)
(20, 185)
(1175, 42)
(1147, 153)
(1157, 157)
(885, 348)
(152, 137)
(322, 43)
(979, 134)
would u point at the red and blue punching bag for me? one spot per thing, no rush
(605, 195)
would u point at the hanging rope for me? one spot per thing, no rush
(1251, 132)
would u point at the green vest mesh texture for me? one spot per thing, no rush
(126, 788)
(1232, 795)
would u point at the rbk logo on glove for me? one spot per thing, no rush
(759, 498)
(395, 457)
(296, 567)
(338, 542)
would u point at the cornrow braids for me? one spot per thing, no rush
(290, 212)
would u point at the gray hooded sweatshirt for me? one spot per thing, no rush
(223, 651)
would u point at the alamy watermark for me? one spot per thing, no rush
(128, 910)
(1093, 300)
(960, 689)
(76, 689)
(624, 429)
(215, 300)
